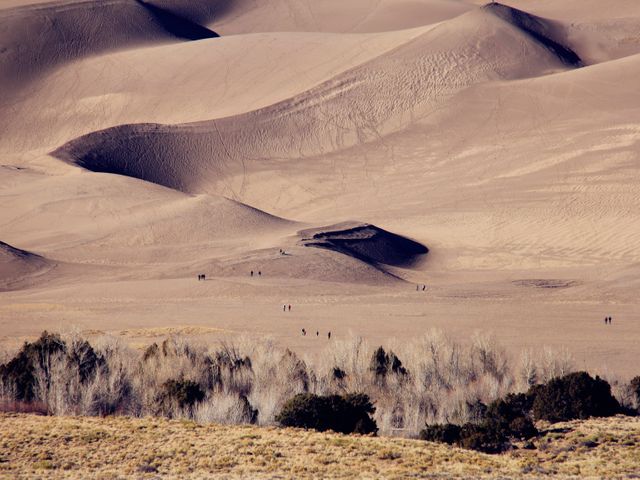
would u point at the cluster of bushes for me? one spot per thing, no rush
(573, 396)
(343, 414)
(431, 380)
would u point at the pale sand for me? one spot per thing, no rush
(455, 126)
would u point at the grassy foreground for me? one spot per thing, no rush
(68, 447)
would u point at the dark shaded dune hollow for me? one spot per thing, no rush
(367, 243)
(18, 266)
(544, 31)
(38, 38)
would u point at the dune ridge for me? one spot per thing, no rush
(361, 105)
(39, 38)
(18, 267)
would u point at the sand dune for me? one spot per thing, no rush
(466, 128)
(363, 104)
(356, 16)
(37, 38)
(19, 268)
(367, 243)
(206, 79)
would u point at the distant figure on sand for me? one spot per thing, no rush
(259, 273)
(201, 277)
(304, 332)
(252, 273)
(329, 335)
(424, 287)
(317, 333)
(289, 307)
(284, 308)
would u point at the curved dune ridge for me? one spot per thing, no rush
(182, 82)
(38, 38)
(367, 243)
(19, 267)
(363, 104)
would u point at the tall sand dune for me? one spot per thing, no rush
(375, 99)
(38, 38)
(181, 82)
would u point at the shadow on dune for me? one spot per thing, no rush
(35, 39)
(368, 243)
(177, 25)
(17, 266)
(542, 30)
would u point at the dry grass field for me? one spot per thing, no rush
(116, 447)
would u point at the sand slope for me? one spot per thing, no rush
(370, 101)
(18, 268)
(37, 38)
(504, 140)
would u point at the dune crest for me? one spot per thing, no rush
(38, 38)
(366, 103)
(18, 267)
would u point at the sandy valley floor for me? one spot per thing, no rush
(142, 150)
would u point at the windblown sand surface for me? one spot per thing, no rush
(347, 151)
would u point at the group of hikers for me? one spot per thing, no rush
(304, 333)
(421, 287)
(259, 273)
(607, 320)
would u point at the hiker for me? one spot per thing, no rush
(259, 273)
(203, 276)
(304, 332)
(329, 335)
(252, 273)
(417, 287)
(610, 320)
(424, 287)
(289, 307)
(317, 333)
(284, 308)
(606, 320)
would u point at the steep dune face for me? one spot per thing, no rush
(368, 243)
(19, 267)
(38, 38)
(361, 105)
(181, 82)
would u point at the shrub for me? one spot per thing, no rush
(343, 414)
(635, 391)
(20, 372)
(185, 393)
(483, 439)
(573, 396)
(442, 433)
(510, 417)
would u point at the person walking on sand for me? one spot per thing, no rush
(284, 308)
(259, 273)
(252, 273)
(317, 333)
(289, 307)
(424, 287)
(329, 335)
(304, 332)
